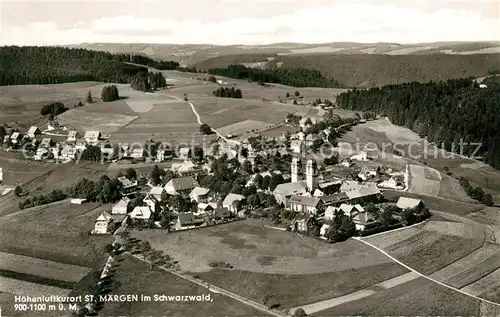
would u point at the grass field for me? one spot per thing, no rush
(487, 287)
(245, 244)
(58, 232)
(390, 238)
(82, 120)
(424, 180)
(419, 297)
(475, 273)
(148, 281)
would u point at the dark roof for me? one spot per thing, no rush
(304, 200)
(335, 198)
(183, 183)
(189, 219)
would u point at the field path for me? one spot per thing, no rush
(329, 303)
(218, 290)
(425, 276)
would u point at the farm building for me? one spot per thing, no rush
(187, 221)
(284, 191)
(181, 185)
(304, 204)
(301, 223)
(78, 201)
(141, 212)
(137, 154)
(363, 221)
(222, 214)
(186, 168)
(152, 202)
(204, 208)
(72, 136)
(92, 137)
(15, 137)
(67, 152)
(348, 210)
(159, 193)
(230, 202)
(199, 194)
(409, 203)
(128, 186)
(33, 132)
(120, 208)
(80, 145)
(103, 224)
(363, 194)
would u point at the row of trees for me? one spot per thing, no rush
(227, 92)
(145, 81)
(54, 65)
(53, 109)
(454, 113)
(298, 77)
(476, 193)
(53, 196)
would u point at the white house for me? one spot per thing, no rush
(181, 185)
(46, 142)
(78, 201)
(296, 146)
(324, 229)
(15, 137)
(184, 152)
(346, 163)
(361, 156)
(72, 136)
(187, 221)
(80, 145)
(204, 208)
(92, 137)
(141, 212)
(482, 86)
(33, 131)
(408, 203)
(67, 152)
(284, 191)
(304, 204)
(159, 193)
(390, 183)
(103, 224)
(120, 208)
(186, 168)
(199, 194)
(230, 202)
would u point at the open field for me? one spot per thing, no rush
(487, 287)
(419, 297)
(43, 268)
(29, 289)
(148, 281)
(245, 126)
(467, 230)
(245, 244)
(57, 232)
(82, 121)
(424, 180)
(488, 215)
(388, 239)
(17, 170)
(475, 273)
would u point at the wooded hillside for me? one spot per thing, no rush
(53, 65)
(444, 112)
(373, 70)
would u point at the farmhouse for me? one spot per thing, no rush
(301, 223)
(33, 132)
(152, 202)
(92, 137)
(222, 214)
(363, 194)
(141, 212)
(120, 208)
(187, 221)
(363, 221)
(181, 185)
(41, 153)
(128, 186)
(186, 168)
(67, 152)
(409, 203)
(324, 229)
(137, 153)
(80, 145)
(15, 137)
(231, 202)
(199, 194)
(392, 182)
(72, 136)
(304, 204)
(159, 193)
(204, 208)
(103, 224)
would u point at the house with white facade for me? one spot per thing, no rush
(72, 136)
(137, 153)
(187, 221)
(159, 193)
(103, 224)
(199, 194)
(33, 132)
(231, 201)
(304, 204)
(92, 137)
(409, 203)
(120, 208)
(128, 186)
(306, 122)
(141, 212)
(181, 185)
(15, 138)
(184, 153)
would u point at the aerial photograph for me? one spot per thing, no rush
(276, 158)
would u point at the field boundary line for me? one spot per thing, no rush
(498, 268)
(425, 276)
(218, 290)
(397, 229)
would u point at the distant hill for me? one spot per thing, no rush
(191, 54)
(370, 70)
(53, 65)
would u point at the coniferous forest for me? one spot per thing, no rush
(53, 65)
(299, 77)
(227, 92)
(445, 112)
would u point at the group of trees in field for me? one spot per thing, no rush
(206, 129)
(110, 93)
(53, 109)
(53, 196)
(476, 193)
(145, 81)
(453, 113)
(54, 65)
(298, 77)
(227, 92)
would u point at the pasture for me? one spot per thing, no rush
(148, 281)
(267, 261)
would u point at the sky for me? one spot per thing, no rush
(250, 22)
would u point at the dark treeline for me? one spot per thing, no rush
(227, 92)
(144, 81)
(109, 93)
(53, 109)
(476, 193)
(445, 112)
(54, 65)
(144, 60)
(299, 77)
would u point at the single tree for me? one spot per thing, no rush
(88, 98)
(17, 191)
(205, 129)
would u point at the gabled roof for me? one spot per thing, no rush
(362, 192)
(335, 198)
(72, 134)
(157, 190)
(15, 135)
(141, 212)
(33, 130)
(46, 141)
(199, 191)
(363, 218)
(305, 200)
(408, 203)
(186, 219)
(126, 182)
(184, 150)
(92, 134)
(182, 183)
(104, 216)
(231, 198)
(348, 209)
(123, 202)
(288, 189)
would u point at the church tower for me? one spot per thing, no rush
(295, 170)
(310, 175)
